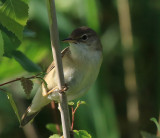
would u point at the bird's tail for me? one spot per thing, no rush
(38, 103)
(28, 116)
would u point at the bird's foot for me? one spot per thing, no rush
(64, 88)
(56, 89)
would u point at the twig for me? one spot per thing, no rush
(54, 36)
(73, 113)
(18, 79)
(72, 118)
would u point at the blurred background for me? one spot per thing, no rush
(126, 94)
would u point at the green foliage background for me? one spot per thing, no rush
(25, 50)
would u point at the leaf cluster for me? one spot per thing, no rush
(76, 133)
(12, 23)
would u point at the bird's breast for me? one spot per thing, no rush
(80, 74)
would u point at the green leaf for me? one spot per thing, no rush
(11, 42)
(26, 63)
(71, 103)
(10, 98)
(55, 136)
(27, 85)
(81, 102)
(51, 127)
(156, 123)
(81, 134)
(148, 135)
(1, 45)
(14, 15)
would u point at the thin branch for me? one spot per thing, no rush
(73, 114)
(18, 79)
(72, 118)
(54, 36)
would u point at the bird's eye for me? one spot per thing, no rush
(84, 37)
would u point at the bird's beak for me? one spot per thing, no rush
(69, 40)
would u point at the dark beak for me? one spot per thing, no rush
(69, 40)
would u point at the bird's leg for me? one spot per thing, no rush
(64, 88)
(56, 89)
(47, 93)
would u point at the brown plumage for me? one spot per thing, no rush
(51, 66)
(27, 118)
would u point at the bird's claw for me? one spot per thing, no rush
(56, 89)
(64, 88)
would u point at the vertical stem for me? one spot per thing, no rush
(72, 119)
(65, 116)
(129, 64)
(54, 36)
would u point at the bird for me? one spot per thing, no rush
(81, 62)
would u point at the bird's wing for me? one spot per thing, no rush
(39, 101)
(64, 51)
